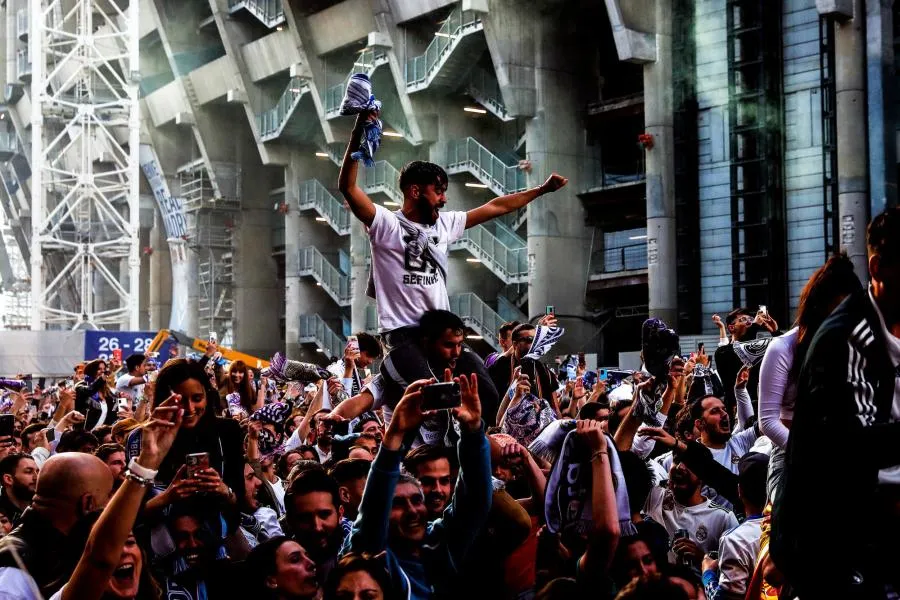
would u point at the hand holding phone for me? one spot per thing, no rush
(441, 396)
(196, 463)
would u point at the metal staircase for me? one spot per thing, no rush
(383, 178)
(314, 330)
(336, 284)
(367, 62)
(269, 12)
(510, 264)
(469, 156)
(483, 87)
(755, 115)
(477, 316)
(280, 121)
(315, 196)
(450, 55)
(216, 303)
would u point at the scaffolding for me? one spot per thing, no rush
(83, 57)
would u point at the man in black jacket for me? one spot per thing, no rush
(838, 512)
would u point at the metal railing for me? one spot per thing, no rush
(478, 316)
(22, 24)
(270, 12)
(623, 258)
(23, 64)
(510, 264)
(314, 196)
(469, 155)
(269, 122)
(9, 143)
(313, 329)
(599, 175)
(483, 86)
(420, 68)
(367, 61)
(384, 178)
(336, 284)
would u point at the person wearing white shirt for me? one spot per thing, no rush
(714, 425)
(358, 357)
(258, 523)
(131, 384)
(682, 506)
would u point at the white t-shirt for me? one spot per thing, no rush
(16, 584)
(705, 523)
(738, 550)
(132, 392)
(738, 445)
(890, 475)
(404, 287)
(777, 391)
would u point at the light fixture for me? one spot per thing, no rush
(475, 109)
(474, 337)
(295, 90)
(322, 154)
(391, 203)
(363, 65)
(638, 237)
(318, 284)
(319, 350)
(480, 186)
(392, 133)
(473, 260)
(442, 34)
(321, 219)
(279, 28)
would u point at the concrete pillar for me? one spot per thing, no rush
(850, 85)
(144, 295)
(359, 275)
(558, 240)
(658, 122)
(881, 98)
(159, 283)
(292, 283)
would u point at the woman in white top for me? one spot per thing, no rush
(780, 369)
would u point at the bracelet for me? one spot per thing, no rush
(141, 470)
(142, 481)
(599, 454)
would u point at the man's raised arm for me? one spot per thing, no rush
(360, 204)
(507, 204)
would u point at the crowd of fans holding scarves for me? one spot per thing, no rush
(769, 468)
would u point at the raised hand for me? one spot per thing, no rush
(743, 376)
(407, 416)
(592, 433)
(553, 183)
(658, 434)
(676, 372)
(468, 414)
(158, 435)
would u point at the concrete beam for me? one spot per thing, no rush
(632, 45)
(839, 9)
(513, 55)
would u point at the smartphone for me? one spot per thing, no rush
(213, 337)
(551, 310)
(353, 342)
(51, 434)
(589, 379)
(441, 396)
(259, 364)
(602, 374)
(196, 463)
(117, 354)
(123, 403)
(7, 425)
(581, 361)
(764, 309)
(700, 347)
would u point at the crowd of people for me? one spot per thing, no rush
(413, 468)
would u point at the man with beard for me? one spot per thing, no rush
(424, 558)
(743, 325)
(315, 518)
(71, 487)
(114, 457)
(712, 421)
(258, 523)
(433, 467)
(195, 572)
(409, 246)
(350, 475)
(693, 522)
(20, 474)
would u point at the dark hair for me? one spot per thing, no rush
(363, 436)
(883, 236)
(520, 328)
(434, 323)
(753, 471)
(304, 448)
(638, 480)
(10, 463)
(369, 344)
(302, 466)
(366, 417)
(281, 466)
(731, 317)
(175, 372)
(560, 588)
(260, 563)
(696, 407)
(350, 469)
(831, 282)
(29, 430)
(420, 172)
(352, 563)
(102, 431)
(423, 454)
(313, 480)
(107, 450)
(72, 440)
(590, 409)
(91, 368)
(245, 390)
(684, 420)
(652, 587)
(134, 361)
(507, 327)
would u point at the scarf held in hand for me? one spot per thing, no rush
(358, 97)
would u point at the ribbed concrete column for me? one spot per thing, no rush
(292, 284)
(850, 84)
(160, 280)
(658, 122)
(359, 275)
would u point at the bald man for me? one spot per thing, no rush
(70, 487)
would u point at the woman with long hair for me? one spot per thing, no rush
(280, 569)
(780, 369)
(200, 432)
(238, 379)
(112, 565)
(359, 577)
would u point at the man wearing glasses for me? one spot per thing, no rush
(503, 370)
(743, 325)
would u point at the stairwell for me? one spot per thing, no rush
(456, 46)
(314, 330)
(483, 87)
(277, 121)
(470, 156)
(509, 263)
(337, 285)
(316, 197)
(269, 12)
(368, 61)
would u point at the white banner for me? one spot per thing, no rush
(169, 206)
